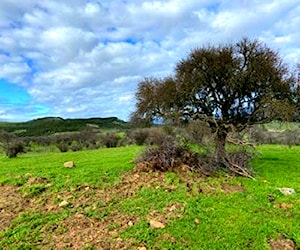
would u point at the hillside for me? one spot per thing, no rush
(52, 125)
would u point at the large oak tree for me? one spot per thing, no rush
(228, 86)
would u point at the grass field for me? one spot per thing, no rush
(103, 204)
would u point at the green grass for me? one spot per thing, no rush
(93, 167)
(203, 215)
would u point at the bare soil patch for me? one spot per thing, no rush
(283, 244)
(11, 204)
(79, 232)
(172, 211)
(228, 188)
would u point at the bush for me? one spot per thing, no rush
(170, 155)
(63, 147)
(139, 135)
(75, 146)
(110, 140)
(260, 135)
(198, 132)
(11, 144)
(157, 136)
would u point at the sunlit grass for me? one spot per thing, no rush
(93, 167)
(206, 216)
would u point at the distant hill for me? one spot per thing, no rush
(52, 125)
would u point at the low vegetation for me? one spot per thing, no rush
(105, 202)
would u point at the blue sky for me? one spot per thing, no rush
(12, 94)
(84, 58)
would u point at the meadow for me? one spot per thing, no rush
(105, 203)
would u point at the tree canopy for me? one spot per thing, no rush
(228, 86)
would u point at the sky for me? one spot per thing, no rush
(85, 58)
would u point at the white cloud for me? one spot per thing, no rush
(84, 58)
(13, 69)
(126, 99)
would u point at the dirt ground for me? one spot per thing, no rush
(80, 232)
(283, 244)
(11, 204)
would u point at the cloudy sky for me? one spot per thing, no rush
(84, 58)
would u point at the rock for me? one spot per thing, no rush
(130, 223)
(64, 203)
(156, 224)
(197, 221)
(287, 191)
(69, 164)
(141, 248)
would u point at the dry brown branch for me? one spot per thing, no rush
(236, 141)
(236, 168)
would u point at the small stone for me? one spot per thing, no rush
(130, 223)
(156, 224)
(141, 248)
(287, 191)
(69, 164)
(197, 221)
(64, 203)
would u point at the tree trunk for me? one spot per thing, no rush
(220, 152)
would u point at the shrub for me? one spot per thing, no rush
(63, 147)
(285, 137)
(75, 146)
(87, 137)
(170, 155)
(157, 136)
(139, 135)
(12, 144)
(110, 140)
(198, 132)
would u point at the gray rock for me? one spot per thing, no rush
(287, 191)
(69, 164)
